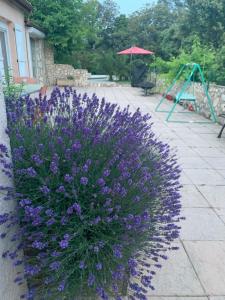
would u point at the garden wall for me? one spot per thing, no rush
(56, 72)
(216, 92)
(8, 289)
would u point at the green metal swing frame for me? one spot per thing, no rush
(182, 95)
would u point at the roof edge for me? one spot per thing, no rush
(23, 4)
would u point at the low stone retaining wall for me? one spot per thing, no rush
(61, 72)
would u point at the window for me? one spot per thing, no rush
(33, 57)
(4, 63)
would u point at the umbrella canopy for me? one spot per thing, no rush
(135, 50)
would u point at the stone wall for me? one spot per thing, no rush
(216, 92)
(59, 72)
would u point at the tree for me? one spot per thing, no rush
(207, 20)
(91, 25)
(120, 35)
(61, 21)
(108, 11)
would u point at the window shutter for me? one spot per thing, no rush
(21, 53)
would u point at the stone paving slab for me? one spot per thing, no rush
(217, 298)
(184, 179)
(222, 173)
(215, 196)
(208, 259)
(217, 163)
(205, 177)
(193, 163)
(176, 277)
(221, 213)
(191, 197)
(186, 152)
(202, 224)
(180, 298)
(196, 141)
(209, 152)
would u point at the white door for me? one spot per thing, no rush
(21, 52)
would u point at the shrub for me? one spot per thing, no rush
(97, 195)
(11, 90)
(198, 54)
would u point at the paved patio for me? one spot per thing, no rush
(197, 270)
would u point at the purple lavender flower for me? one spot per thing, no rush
(66, 236)
(61, 286)
(106, 190)
(101, 293)
(25, 202)
(45, 190)
(50, 222)
(68, 178)
(32, 270)
(31, 172)
(117, 251)
(76, 146)
(91, 279)
(54, 167)
(99, 266)
(77, 208)
(108, 202)
(55, 266)
(49, 213)
(101, 182)
(70, 210)
(3, 148)
(84, 180)
(96, 220)
(85, 168)
(37, 160)
(88, 162)
(64, 244)
(38, 245)
(106, 173)
(64, 221)
(55, 254)
(82, 265)
(60, 140)
(61, 189)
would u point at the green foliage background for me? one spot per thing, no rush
(88, 34)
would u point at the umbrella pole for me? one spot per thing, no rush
(131, 58)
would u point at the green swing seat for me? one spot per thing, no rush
(185, 97)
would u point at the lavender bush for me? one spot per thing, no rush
(97, 197)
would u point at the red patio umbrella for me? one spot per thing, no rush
(135, 51)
